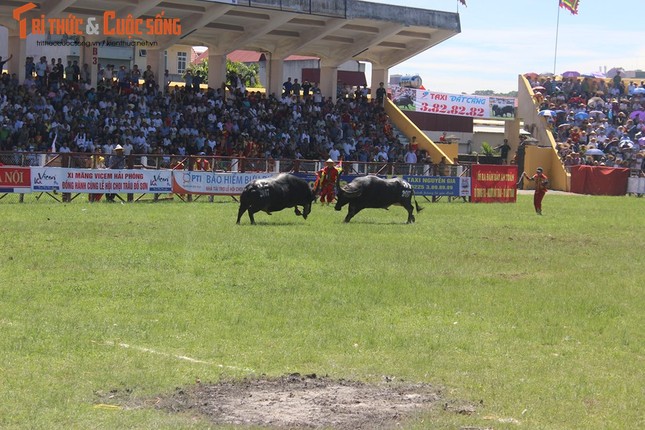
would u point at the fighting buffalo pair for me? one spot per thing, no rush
(289, 191)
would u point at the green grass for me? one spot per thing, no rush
(540, 318)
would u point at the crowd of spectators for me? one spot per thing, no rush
(129, 108)
(595, 121)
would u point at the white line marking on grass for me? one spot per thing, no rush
(179, 357)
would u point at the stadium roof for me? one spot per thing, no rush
(334, 30)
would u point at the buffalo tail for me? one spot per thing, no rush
(419, 208)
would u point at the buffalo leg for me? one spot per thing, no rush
(297, 211)
(306, 210)
(251, 212)
(351, 212)
(410, 210)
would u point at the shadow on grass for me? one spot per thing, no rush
(375, 222)
(269, 223)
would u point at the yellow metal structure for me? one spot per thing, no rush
(544, 153)
(409, 129)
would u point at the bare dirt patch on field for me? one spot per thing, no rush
(304, 402)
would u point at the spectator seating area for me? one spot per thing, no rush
(595, 121)
(64, 112)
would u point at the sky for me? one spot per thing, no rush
(501, 39)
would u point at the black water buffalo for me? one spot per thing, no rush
(503, 111)
(374, 192)
(404, 100)
(274, 194)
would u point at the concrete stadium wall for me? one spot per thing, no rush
(544, 154)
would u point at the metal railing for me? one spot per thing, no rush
(85, 160)
(216, 164)
(332, 8)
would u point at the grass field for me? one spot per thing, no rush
(536, 320)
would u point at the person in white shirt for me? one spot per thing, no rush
(80, 140)
(89, 145)
(107, 146)
(127, 147)
(334, 154)
(381, 155)
(41, 71)
(410, 156)
(349, 146)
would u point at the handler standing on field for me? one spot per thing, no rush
(326, 181)
(541, 184)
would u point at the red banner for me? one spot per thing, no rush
(15, 179)
(493, 183)
(599, 181)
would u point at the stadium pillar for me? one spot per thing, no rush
(154, 60)
(329, 81)
(275, 78)
(216, 69)
(17, 48)
(379, 75)
(512, 133)
(90, 56)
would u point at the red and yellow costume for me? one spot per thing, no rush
(541, 182)
(202, 164)
(326, 182)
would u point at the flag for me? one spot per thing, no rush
(570, 5)
(463, 2)
(54, 143)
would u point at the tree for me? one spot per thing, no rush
(200, 69)
(494, 93)
(248, 74)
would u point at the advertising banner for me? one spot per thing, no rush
(100, 180)
(228, 184)
(15, 179)
(212, 183)
(494, 183)
(454, 104)
(422, 185)
(439, 185)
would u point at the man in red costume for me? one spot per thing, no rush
(326, 181)
(541, 184)
(202, 163)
